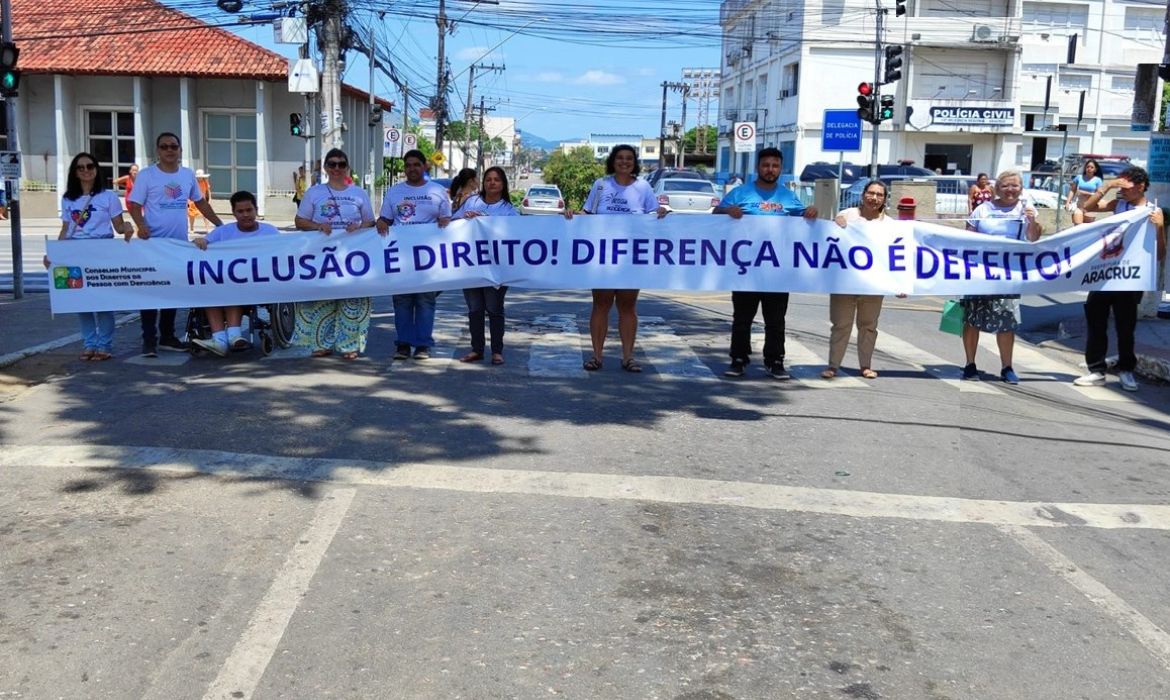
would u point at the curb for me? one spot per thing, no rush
(14, 357)
(1151, 366)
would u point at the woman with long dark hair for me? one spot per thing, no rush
(619, 192)
(463, 185)
(335, 324)
(90, 211)
(492, 200)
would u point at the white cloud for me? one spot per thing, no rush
(598, 77)
(549, 76)
(471, 53)
(646, 72)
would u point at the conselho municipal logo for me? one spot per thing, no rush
(68, 278)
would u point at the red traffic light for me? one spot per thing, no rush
(865, 89)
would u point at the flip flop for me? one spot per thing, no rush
(592, 364)
(86, 355)
(472, 357)
(497, 358)
(828, 373)
(100, 356)
(631, 365)
(349, 356)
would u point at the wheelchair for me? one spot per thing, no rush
(269, 326)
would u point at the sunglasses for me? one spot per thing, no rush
(168, 147)
(336, 164)
(86, 166)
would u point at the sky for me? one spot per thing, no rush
(571, 68)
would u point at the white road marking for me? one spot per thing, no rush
(1152, 637)
(245, 665)
(669, 354)
(931, 364)
(805, 365)
(427, 475)
(557, 347)
(1028, 361)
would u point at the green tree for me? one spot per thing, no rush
(574, 174)
(690, 141)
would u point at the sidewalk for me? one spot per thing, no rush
(28, 328)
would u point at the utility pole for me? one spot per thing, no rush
(483, 110)
(667, 85)
(470, 105)
(877, 82)
(682, 140)
(440, 105)
(331, 75)
(13, 186)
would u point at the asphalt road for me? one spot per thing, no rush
(296, 528)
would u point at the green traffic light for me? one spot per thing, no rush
(8, 80)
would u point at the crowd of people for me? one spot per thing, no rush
(335, 206)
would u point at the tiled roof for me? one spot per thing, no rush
(133, 37)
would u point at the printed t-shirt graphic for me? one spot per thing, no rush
(163, 197)
(89, 217)
(406, 204)
(322, 204)
(608, 197)
(779, 202)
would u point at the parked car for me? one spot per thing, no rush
(543, 199)
(675, 173)
(686, 196)
(851, 173)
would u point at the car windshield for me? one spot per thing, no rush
(543, 192)
(687, 186)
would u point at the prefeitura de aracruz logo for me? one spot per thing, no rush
(1114, 266)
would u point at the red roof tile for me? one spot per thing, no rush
(133, 37)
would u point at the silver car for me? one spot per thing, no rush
(686, 196)
(543, 199)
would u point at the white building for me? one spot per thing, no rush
(974, 78)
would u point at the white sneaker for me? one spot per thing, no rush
(211, 344)
(240, 343)
(1090, 379)
(1127, 381)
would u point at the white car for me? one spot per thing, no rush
(543, 199)
(686, 196)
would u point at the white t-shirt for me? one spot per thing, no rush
(608, 197)
(476, 203)
(1008, 222)
(91, 216)
(163, 197)
(231, 231)
(406, 204)
(323, 204)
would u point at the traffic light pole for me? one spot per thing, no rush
(877, 81)
(13, 186)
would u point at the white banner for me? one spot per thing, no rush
(703, 252)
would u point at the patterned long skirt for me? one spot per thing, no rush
(341, 325)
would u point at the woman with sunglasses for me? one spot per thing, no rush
(340, 325)
(493, 200)
(89, 211)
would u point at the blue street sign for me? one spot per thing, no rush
(842, 130)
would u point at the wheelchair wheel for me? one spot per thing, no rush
(283, 318)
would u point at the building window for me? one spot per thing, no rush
(1121, 83)
(1074, 81)
(761, 89)
(109, 136)
(648, 150)
(1039, 68)
(1144, 18)
(229, 146)
(791, 80)
(1056, 17)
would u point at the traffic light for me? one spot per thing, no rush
(887, 108)
(375, 115)
(9, 75)
(294, 125)
(865, 102)
(899, 8)
(893, 65)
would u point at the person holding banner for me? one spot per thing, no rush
(619, 192)
(764, 197)
(158, 206)
(226, 321)
(1010, 216)
(492, 200)
(340, 325)
(415, 201)
(464, 185)
(90, 211)
(845, 310)
(1131, 185)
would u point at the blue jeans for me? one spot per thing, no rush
(97, 330)
(414, 318)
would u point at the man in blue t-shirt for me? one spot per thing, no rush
(764, 197)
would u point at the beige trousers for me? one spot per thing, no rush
(844, 309)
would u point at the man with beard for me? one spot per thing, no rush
(763, 197)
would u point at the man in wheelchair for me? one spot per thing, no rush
(225, 321)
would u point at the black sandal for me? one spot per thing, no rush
(592, 364)
(631, 365)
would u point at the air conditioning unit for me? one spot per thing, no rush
(982, 34)
(785, 93)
